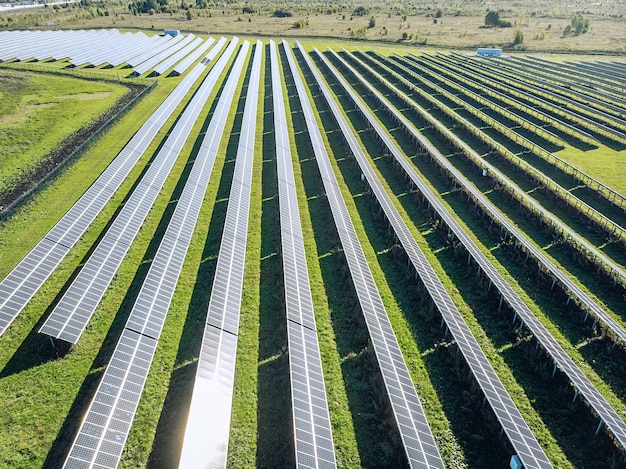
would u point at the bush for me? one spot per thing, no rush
(280, 13)
(372, 23)
(492, 19)
(518, 38)
(578, 26)
(361, 11)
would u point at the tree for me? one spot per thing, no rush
(439, 13)
(518, 38)
(372, 23)
(189, 16)
(578, 26)
(492, 18)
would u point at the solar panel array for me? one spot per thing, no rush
(581, 383)
(417, 439)
(312, 430)
(206, 435)
(570, 286)
(168, 63)
(162, 56)
(188, 61)
(96, 47)
(105, 428)
(519, 434)
(70, 316)
(28, 276)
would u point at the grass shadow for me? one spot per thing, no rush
(275, 445)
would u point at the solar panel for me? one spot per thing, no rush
(417, 439)
(518, 432)
(70, 316)
(585, 301)
(26, 278)
(207, 430)
(182, 67)
(313, 438)
(164, 66)
(587, 390)
(123, 381)
(161, 57)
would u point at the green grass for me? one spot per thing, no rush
(38, 112)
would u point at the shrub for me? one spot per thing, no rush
(518, 38)
(280, 13)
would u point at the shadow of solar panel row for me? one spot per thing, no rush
(162, 56)
(417, 440)
(561, 360)
(432, 75)
(168, 63)
(312, 430)
(617, 272)
(125, 375)
(70, 316)
(26, 278)
(206, 437)
(519, 434)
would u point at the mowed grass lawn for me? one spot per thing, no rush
(38, 112)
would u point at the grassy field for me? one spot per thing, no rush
(44, 396)
(444, 24)
(38, 112)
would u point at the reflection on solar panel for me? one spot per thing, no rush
(417, 439)
(26, 278)
(521, 437)
(206, 434)
(313, 438)
(104, 430)
(71, 315)
(581, 383)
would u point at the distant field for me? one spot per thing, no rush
(38, 112)
(444, 24)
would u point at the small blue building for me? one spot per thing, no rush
(488, 52)
(171, 32)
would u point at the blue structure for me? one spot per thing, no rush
(488, 52)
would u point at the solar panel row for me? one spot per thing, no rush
(601, 259)
(26, 278)
(94, 47)
(580, 382)
(463, 99)
(168, 52)
(207, 430)
(104, 430)
(70, 316)
(417, 439)
(188, 61)
(168, 63)
(521, 437)
(596, 119)
(312, 431)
